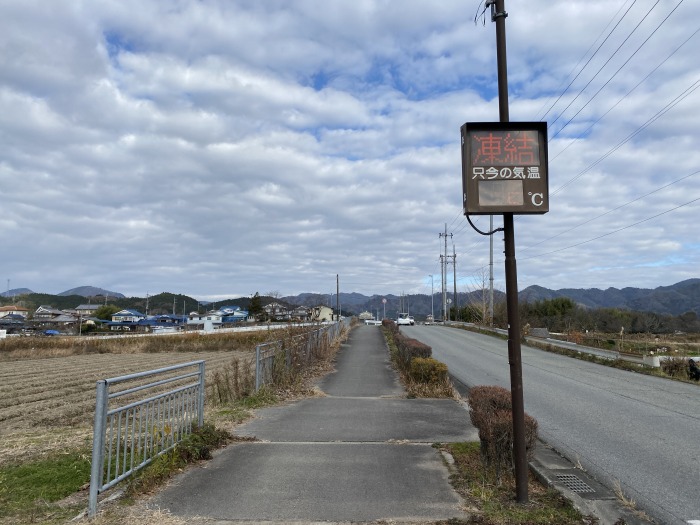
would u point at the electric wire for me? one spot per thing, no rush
(612, 232)
(605, 64)
(581, 59)
(623, 97)
(685, 94)
(613, 210)
(616, 72)
(589, 61)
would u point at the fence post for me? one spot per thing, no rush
(257, 368)
(98, 446)
(201, 394)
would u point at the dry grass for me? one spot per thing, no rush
(18, 348)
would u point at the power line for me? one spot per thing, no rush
(585, 132)
(605, 64)
(581, 59)
(589, 61)
(616, 72)
(613, 209)
(613, 231)
(687, 92)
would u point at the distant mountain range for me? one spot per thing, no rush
(83, 291)
(676, 299)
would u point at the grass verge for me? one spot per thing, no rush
(35, 492)
(491, 502)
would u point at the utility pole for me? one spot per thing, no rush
(337, 295)
(491, 274)
(498, 15)
(454, 282)
(443, 264)
(432, 297)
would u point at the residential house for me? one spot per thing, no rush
(46, 313)
(277, 312)
(213, 319)
(13, 310)
(126, 320)
(300, 313)
(86, 310)
(322, 313)
(127, 316)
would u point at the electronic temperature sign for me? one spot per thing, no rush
(504, 168)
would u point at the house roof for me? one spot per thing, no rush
(64, 318)
(134, 313)
(47, 309)
(13, 309)
(87, 307)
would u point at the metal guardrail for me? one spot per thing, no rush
(129, 437)
(271, 357)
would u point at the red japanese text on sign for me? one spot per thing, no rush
(505, 148)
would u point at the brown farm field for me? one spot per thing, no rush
(47, 386)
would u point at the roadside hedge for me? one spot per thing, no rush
(427, 370)
(410, 349)
(491, 412)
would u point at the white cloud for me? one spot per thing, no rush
(219, 148)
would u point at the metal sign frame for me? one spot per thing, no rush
(505, 168)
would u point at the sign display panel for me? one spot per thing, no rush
(504, 168)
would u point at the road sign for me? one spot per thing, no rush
(505, 168)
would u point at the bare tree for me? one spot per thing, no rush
(478, 297)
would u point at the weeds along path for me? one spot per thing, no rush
(59, 392)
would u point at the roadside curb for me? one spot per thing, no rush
(587, 495)
(590, 497)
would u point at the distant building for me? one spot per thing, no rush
(365, 316)
(86, 310)
(277, 312)
(13, 310)
(127, 316)
(322, 313)
(46, 313)
(300, 313)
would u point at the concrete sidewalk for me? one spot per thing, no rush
(362, 453)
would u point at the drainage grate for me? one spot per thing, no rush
(574, 484)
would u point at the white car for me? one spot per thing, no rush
(406, 320)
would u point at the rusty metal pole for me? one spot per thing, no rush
(498, 15)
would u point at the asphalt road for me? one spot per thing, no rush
(639, 431)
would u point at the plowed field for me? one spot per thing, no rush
(58, 392)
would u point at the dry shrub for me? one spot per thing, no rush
(232, 382)
(390, 325)
(491, 413)
(427, 370)
(438, 389)
(409, 349)
(485, 400)
(43, 347)
(675, 367)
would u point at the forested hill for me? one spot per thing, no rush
(676, 299)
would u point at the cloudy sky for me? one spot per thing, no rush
(217, 148)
